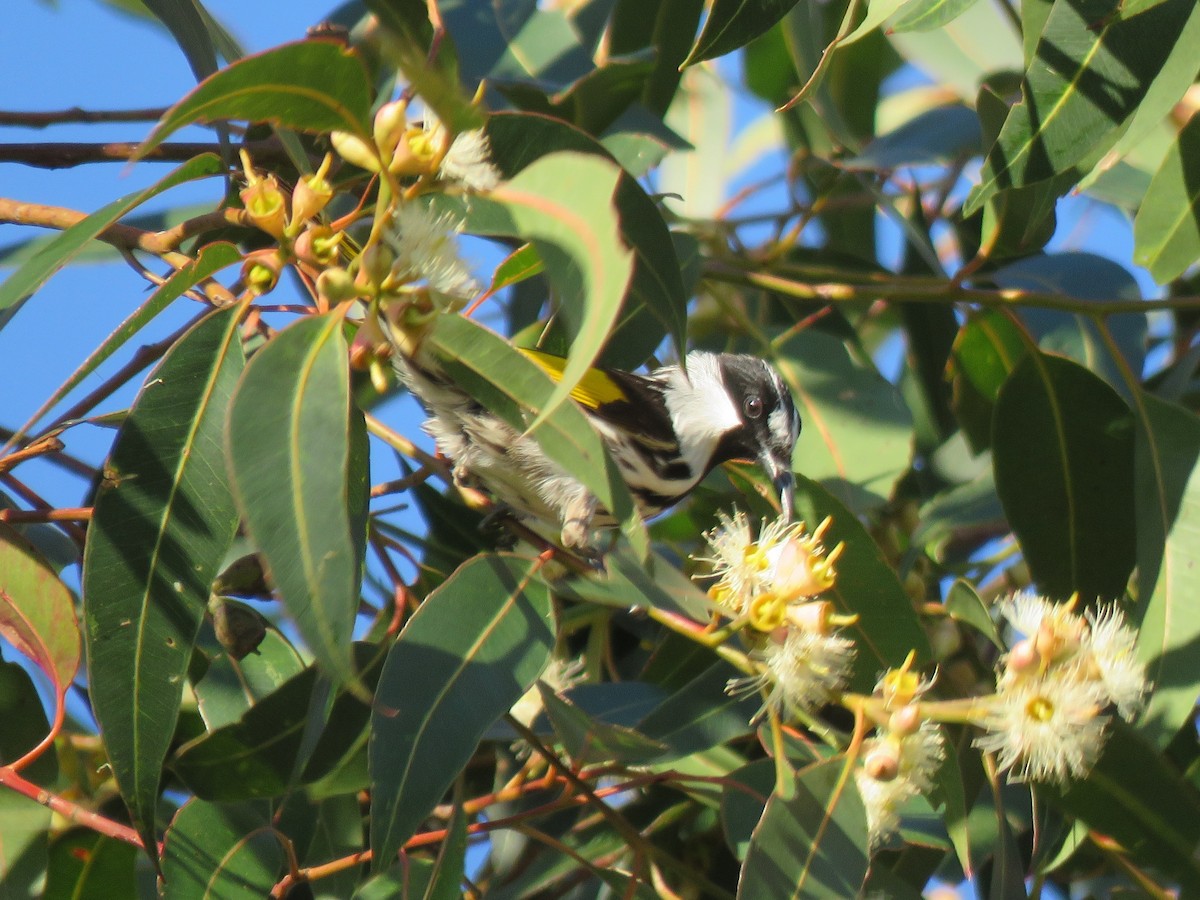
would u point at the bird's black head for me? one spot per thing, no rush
(769, 424)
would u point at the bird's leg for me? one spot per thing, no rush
(577, 515)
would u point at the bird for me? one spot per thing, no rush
(665, 431)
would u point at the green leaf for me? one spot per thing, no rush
(288, 448)
(431, 70)
(52, 256)
(24, 823)
(1167, 511)
(231, 686)
(1089, 72)
(935, 137)
(987, 349)
(255, 756)
(226, 850)
(37, 611)
(656, 302)
(1167, 228)
(588, 740)
(735, 23)
(315, 86)
(162, 523)
(1134, 797)
(701, 714)
(563, 203)
(922, 15)
(743, 798)
(186, 23)
(451, 861)
(517, 390)
(964, 604)
(468, 654)
(86, 864)
(811, 842)
(857, 432)
(628, 581)
(887, 628)
(666, 26)
(1063, 452)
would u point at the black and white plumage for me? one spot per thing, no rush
(664, 430)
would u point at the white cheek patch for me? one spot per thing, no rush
(700, 407)
(779, 422)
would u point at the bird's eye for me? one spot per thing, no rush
(753, 407)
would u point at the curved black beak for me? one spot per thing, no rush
(785, 483)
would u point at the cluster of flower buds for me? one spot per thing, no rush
(772, 585)
(291, 220)
(901, 759)
(424, 149)
(1047, 719)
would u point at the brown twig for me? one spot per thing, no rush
(11, 779)
(162, 243)
(66, 154)
(76, 115)
(22, 516)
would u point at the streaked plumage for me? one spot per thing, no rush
(665, 431)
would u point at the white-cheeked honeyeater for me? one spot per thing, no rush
(665, 430)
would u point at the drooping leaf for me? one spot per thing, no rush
(51, 257)
(226, 850)
(516, 389)
(186, 23)
(1063, 452)
(936, 137)
(473, 648)
(288, 448)
(922, 15)
(37, 611)
(588, 741)
(1167, 227)
(656, 302)
(735, 23)
(668, 27)
(811, 842)
(24, 823)
(1167, 510)
(315, 86)
(432, 70)
(563, 204)
(231, 686)
(1089, 71)
(163, 521)
(1133, 796)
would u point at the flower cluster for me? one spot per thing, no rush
(772, 585)
(902, 758)
(1047, 719)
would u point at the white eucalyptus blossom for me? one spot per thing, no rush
(1046, 728)
(425, 244)
(909, 765)
(469, 162)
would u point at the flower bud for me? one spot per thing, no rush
(318, 245)
(905, 721)
(266, 205)
(390, 123)
(356, 151)
(312, 194)
(882, 762)
(374, 265)
(260, 271)
(417, 153)
(336, 286)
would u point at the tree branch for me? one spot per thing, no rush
(75, 114)
(64, 155)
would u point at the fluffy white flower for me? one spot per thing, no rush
(426, 248)
(1046, 728)
(803, 669)
(913, 761)
(469, 162)
(1113, 648)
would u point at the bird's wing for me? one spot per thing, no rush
(633, 403)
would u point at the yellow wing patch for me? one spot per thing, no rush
(594, 390)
